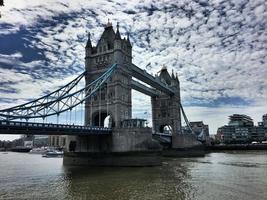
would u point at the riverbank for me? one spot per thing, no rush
(194, 151)
(236, 147)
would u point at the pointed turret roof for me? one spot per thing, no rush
(177, 79)
(128, 40)
(164, 74)
(89, 43)
(173, 77)
(108, 35)
(117, 35)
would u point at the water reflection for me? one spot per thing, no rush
(165, 182)
(235, 175)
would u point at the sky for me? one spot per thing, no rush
(218, 49)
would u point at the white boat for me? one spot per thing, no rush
(53, 153)
(38, 151)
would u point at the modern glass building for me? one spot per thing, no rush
(241, 129)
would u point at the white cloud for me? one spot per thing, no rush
(218, 50)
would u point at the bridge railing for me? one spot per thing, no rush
(49, 125)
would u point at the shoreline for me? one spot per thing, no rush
(244, 147)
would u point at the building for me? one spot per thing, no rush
(200, 129)
(264, 120)
(240, 120)
(58, 141)
(241, 129)
(40, 141)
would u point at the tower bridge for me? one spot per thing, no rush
(108, 75)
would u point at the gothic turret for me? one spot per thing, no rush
(128, 40)
(118, 35)
(173, 81)
(110, 48)
(88, 47)
(89, 43)
(177, 79)
(165, 76)
(118, 54)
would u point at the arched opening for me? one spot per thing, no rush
(165, 129)
(103, 119)
(108, 121)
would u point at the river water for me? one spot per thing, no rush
(228, 175)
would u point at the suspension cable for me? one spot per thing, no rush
(60, 99)
(91, 112)
(99, 112)
(186, 119)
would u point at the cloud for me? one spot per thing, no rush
(218, 48)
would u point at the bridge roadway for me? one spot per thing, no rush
(29, 128)
(162, 138)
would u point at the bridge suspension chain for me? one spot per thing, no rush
(58, 101)
(186, 119)
(47, 99)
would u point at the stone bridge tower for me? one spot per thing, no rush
(166, 108)
(115, 97)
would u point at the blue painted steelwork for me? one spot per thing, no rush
(65, 98)
(61, 100)
(29, 128)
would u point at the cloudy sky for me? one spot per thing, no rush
(218, 49)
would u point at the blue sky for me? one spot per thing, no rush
(218, 49)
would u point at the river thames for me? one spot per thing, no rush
(228, 175)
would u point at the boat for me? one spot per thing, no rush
(38, 151)
(53, 154)
(21, 149)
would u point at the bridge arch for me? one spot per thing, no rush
(166, 128)
(103, 119)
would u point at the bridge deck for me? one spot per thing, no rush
(162, 138)
(29, 128)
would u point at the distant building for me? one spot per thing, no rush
(241, 129)
(264, 120)
(57, 141)
(240, 120)
(200, 129)
(35, 140)
(40, 141)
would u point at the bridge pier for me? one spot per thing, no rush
(128, 145)
(125, 147)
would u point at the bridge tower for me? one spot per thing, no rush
(115, 97)
(166, 108)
